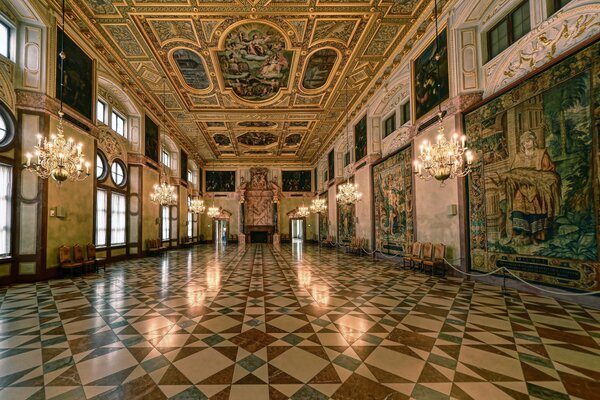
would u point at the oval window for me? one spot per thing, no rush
(117, 172)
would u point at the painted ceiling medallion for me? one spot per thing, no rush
(254, 62)
(192, 68)
(222, 140)
(257, 138)
(318, 69)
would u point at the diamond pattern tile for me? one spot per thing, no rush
(266, 323)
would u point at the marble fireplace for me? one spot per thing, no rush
(258, 210)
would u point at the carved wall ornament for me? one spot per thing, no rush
(561, 32)
(112, 145)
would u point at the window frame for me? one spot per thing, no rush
(114, 112)
(100, 155)
(508, 19)
(164, 152)
(123, 168)
(106, 219)
(122, 213)
(8, 140)
(10, 223)
(553, 6)
(404, 107)
(105, 113)
(9, 38)
(165, 223)
(390, 117)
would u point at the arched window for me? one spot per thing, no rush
(101, 167)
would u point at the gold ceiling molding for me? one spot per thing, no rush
(187, 40)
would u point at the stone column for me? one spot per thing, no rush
(242, 224)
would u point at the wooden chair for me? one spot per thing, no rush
(426, 255)
(91, 255)
(415, 253)
(438, 259)
(78, 256)
(64, 260)
(153, 246)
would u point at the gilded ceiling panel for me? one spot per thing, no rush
(276, 68)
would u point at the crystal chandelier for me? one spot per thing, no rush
(445, 159)
(164, 194)
(302, 211)
(318, 206)
(213, 212)
(56, 156)
(348, 192)
(197, 206)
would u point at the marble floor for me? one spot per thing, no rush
(299, 323)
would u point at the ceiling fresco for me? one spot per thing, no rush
(257, 79)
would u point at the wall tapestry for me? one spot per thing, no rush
(296, 181)
(184, 166)
(323, 227)
(78, 89)
(151, 139)
(345, 214)
(254, 63)
(428, 90)
(331, 165)
(220, 181)
(534, 193)
(360, 139)
(393, 199)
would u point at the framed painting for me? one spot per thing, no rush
(184, 165)
(220, 181)
(78, 75)
(296, 181)
(360, 138)
(331, 165)
(534, 191)
(428, 89)
(151, 138)
(393, 201)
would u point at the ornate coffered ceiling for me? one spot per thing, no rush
(252, 80)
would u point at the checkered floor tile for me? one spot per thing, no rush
(289, 323)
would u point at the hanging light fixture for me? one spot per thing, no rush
(164, 194)
(56, 156)
(318, 206)
(213, 211)
(197, 206)
(348, 193)
(302, 211)
(444, 159)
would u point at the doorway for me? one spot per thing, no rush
(220, 231)
(297, 231)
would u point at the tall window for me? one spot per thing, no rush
(117, 173)
(5, 208)
(404, 113)
(166, 223)
(165, 158)
(117, 219)
(101, 111)
(389, 125)
(510, 29)
(190, 219)
(555, 5)
(101, 217)
(4, 40)
(118, 123)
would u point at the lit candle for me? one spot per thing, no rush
(39, 139)
(87, 167)
(28, 155)
(469, 157)
(463, 139)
